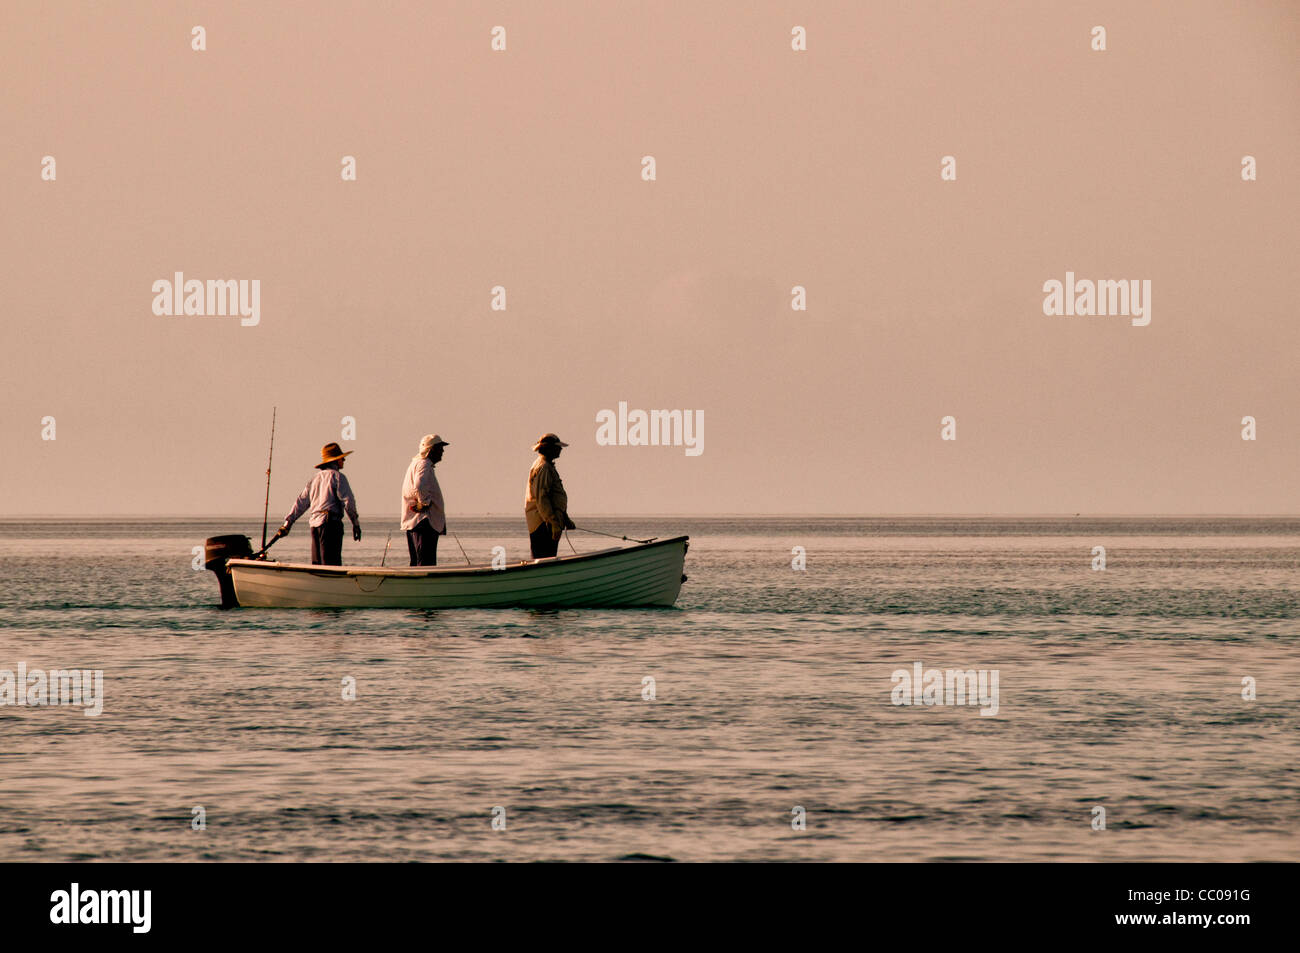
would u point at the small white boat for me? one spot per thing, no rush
(644, 574)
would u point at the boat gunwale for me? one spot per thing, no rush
(414, 572)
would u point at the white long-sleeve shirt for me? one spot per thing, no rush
(421, 486)
(327, 496)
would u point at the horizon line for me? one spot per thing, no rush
(729, 515)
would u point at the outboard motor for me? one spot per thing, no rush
(216, 551)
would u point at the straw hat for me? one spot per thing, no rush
(549, 439)
(331, 452)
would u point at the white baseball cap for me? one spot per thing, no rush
(431, 440)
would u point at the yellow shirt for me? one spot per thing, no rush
(544, 499)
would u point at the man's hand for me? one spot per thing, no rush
(568, 523)
(281, 532)
(356, 532)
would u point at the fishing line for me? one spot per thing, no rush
(630, 539)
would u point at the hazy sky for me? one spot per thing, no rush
(774, 168)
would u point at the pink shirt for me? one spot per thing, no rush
(327, 496)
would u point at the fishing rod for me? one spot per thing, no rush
(390, 539)
(569, 541)
(266, 507)
(262, 552)
(462, 549)
(629, 539)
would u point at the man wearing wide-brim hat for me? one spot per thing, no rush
(424, 515)
(325, 499)
(546, 505)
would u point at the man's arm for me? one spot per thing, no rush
(349, 502)
(423, 486)
(554, 517)
(411, 488)
(431, 494)
(542, 485)
(300, 506)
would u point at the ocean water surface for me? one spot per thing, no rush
(1120, 689)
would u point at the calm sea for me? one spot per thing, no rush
(1119, 689)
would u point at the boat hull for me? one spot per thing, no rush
(647, 574)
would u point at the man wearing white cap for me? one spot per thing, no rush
(423, 515)
(546, 504)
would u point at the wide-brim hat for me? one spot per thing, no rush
(330, 453)
(549, 440)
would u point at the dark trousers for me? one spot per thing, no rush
(542, 543)
(327, 543)
(422, 542)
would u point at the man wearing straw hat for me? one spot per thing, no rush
(326, 498)
(424, 516)
(546, 505)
